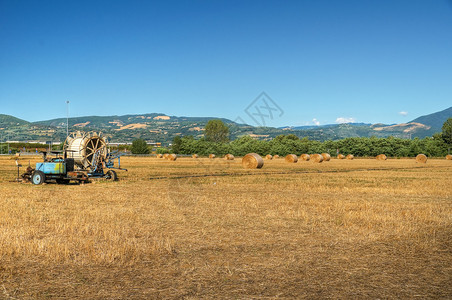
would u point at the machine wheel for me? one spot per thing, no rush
(38, 177)
(111, 175)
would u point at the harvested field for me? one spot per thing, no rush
(346, 229)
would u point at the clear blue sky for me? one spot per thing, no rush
(320, 61)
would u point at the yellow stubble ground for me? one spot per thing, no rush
(340, 229)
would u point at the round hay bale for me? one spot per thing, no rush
(195, 156)
(305, 157)
(449, 157)
(172, 157)
(340, 156)
(318, 158)
(159, 155)
(165, 156)
(212, 156)
(421, 158)
(326, 156)
(350, 157)
(268, 156)
(276, 156)
(381, 157)
(291, 158)
(252, 161)
(229, 157)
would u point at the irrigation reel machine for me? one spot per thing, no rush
(85, 155)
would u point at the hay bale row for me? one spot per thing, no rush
(268, 156)
(159, 155)
(421, 158)
(305, 157)
(165, 156)
(276, 156)
(212, 156)
(172, 157)
(252, 161)
(381, 157)
(326, 156)
(229, 157)
(317, 158)
(449, 157)
(291, 158)
(340, 156)
(350, 157)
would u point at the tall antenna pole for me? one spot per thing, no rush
(67, 118)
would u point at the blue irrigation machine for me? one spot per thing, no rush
(84, 156)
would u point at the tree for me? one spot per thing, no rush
(217, 131)
(139, 146)
(177, 144)
(447, 132)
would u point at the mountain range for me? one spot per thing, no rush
(155, 127)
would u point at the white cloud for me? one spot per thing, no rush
(316, 122)
(345, 120)
(403, 113)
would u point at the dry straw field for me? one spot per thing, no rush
(361, 228)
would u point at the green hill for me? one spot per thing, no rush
(435, 120)
(156, 127)
(8, 121)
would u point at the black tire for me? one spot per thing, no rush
(38, 177)
(111, 175)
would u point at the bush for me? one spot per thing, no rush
(162, 150)
(139, 146)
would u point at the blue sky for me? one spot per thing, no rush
(320, 61)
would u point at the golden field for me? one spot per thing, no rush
(340, 229)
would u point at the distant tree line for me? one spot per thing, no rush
(217, 142)
(285, 144)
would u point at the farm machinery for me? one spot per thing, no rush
(84, 156)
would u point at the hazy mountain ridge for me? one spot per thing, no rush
(159, 127)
